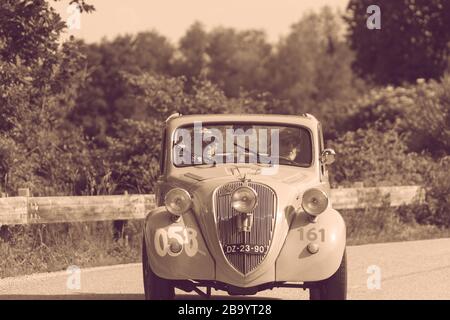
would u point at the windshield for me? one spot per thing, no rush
(263, 144)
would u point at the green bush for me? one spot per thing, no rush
(400, 136)
(376, 158)
(419, 113)
(132, 156)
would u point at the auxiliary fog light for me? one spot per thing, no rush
(175, 246)
(312, 248)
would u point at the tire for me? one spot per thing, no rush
(155, 288)
(333, 288)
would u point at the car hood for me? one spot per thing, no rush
(282, 173)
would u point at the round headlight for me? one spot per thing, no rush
(244, 199)
(314, 201)
(178, 201)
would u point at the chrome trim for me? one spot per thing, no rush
(264, 216)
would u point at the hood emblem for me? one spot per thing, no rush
(227, 190)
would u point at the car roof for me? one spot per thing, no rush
(177, 120)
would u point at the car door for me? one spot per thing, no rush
(162, 169)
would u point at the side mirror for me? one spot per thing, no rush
(328, 156)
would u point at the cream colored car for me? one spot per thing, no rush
(243, 206)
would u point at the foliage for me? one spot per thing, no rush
(54, 247)
(420, 114)
(238, 61)
(132, 156)
(106, 97)
(413, 41)
(192, 60)
(312, 65)
(309, 69)
(39, 82)
(377, 225)
(400, 136)
(160, 96)
(375, 157)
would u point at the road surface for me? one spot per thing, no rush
(407, 270)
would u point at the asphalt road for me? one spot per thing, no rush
(407, 270)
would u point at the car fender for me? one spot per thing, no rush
(193, 261)
(327, 232)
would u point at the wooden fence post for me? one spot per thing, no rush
(23, 192)
(119, 227)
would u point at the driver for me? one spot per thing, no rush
(288, 150)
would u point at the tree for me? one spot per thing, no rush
(39, 80)
(131, 158)
(312, 65)
(413, 41)
(193, 60)
(238, 60)
(159, 96)
(105, 97)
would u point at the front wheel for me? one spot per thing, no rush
(333, 288)
(155, 288)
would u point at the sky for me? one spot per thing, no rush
(172, 18)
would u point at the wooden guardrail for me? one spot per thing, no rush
(358, 198)
(31, 210)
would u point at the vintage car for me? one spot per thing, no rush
(243, 205)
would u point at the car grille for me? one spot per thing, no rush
(261, 231)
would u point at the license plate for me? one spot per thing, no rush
(245, 248)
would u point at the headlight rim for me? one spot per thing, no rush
(255, 195)
(188, 207)
(322, 192)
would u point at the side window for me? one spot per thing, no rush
(162, 152)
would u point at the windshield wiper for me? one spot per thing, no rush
(247, 150)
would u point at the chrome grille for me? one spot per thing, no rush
(261, 231)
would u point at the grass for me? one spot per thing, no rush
(385, 225)
(46, 248)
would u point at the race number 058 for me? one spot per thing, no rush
(186, 237)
